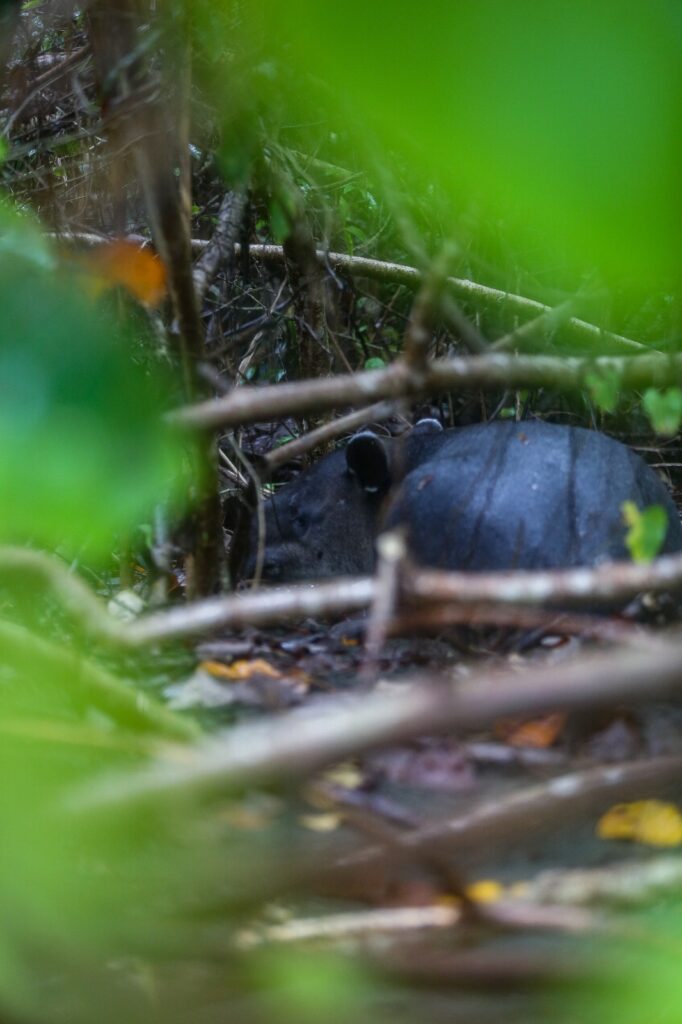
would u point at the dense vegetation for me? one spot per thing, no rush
(469, 212)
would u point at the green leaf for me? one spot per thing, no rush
(664, 409)
(84, 452)
(307, 990)
(21, 237)
(604, 388)
(279, 221)
(647, 529)
(375, 363)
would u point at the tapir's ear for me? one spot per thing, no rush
(367, 459)
(428, 425)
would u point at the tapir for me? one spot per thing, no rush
(500, 495)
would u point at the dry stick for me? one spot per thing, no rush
(295, 745)
(614, 581)
(501, 302)
(333, 928)
(392, 553)
(440, 616)
(418, 333)
(145, 125)
(621, 885)
(606, 583)
(220, 248)
(328, 432)
(399, 922)
(313, 299)
(499, 370)
(461, 325)
(548, 321)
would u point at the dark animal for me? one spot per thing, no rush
(502, 495)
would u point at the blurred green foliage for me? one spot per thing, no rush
(646, 531)
(664, 409)
(559, 117)
(557, 124)
(84, 452)
(637, 978)
(604, 388)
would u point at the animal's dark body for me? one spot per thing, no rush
(501, 495)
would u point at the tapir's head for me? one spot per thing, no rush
(325, 522)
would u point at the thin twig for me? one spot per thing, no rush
(307, 443)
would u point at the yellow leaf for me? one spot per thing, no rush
(652, 822)
(485, 891)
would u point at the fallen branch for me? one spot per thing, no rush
(607, 583)
(397, 923)
(437, 617)
(615, 885)
(501, 302)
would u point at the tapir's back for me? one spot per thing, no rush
(523, 495)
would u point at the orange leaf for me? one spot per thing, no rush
(240, 670)
(139, 271)
(538, 733)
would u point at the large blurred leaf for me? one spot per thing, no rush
(83, 449)
(564, 118)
